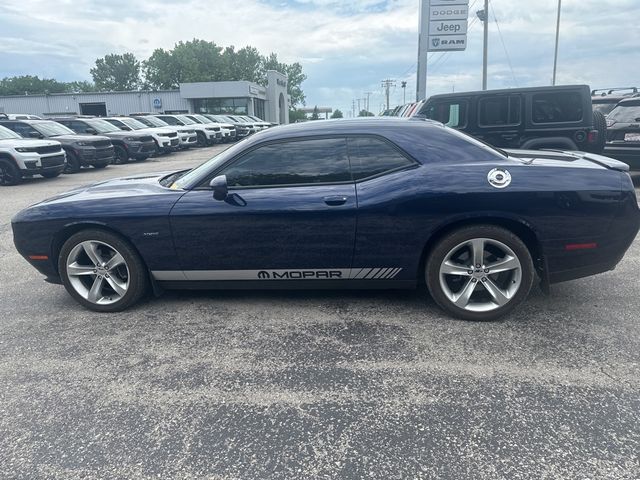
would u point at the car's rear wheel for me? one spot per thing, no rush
(480, 272)
(102, 272)
(9, 173)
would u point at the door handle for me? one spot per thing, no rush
(335, 201)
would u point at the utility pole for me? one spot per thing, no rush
(353, 108)
(483, 15)
(359, 110)
(423, 48)
(368, 94)
(387, 84)
(404, 92)
(555, 57)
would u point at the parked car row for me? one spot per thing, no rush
(32, 146)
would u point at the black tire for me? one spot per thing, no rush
(599, 124)
(9, 173)
(120, 154)
(73, 163)
(51, 174)
(450, 241)
(100, 166)
(202, 139)
(138, 274)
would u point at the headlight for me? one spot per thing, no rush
(84, 144)
(164, 134)
(22, 149)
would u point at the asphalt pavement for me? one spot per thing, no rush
(307, 385)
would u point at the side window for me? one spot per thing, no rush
(501, 110)
(557, 107)
(452, 114)
(372, 156)
(292, 163)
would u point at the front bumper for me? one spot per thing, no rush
(95, 156)
(43, 164)
(141, 149)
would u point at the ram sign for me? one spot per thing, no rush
(448, 25)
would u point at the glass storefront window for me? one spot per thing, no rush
(221, 106)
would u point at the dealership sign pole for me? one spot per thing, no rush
(443, 28)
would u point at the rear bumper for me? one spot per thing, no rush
(625, 153)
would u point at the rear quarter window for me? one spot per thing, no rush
(557, 107)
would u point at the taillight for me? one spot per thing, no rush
(592, 137)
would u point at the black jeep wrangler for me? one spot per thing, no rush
(559, 117)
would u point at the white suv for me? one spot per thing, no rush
(21, 158)
(187, 135)
(206, 135)
(228, 130)
(165, 138)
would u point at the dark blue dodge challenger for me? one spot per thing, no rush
(375, 203)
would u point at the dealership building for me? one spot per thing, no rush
(270, 103)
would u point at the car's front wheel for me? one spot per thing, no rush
(480, 272)
(101, 271)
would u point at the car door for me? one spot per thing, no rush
(290, 214)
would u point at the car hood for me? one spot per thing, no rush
(560, 158)
(123, 134)
(25, 142)
(124, 187)
(80, 138)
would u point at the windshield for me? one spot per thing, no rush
(152, 121)
(202, 118)
(625, 114)
(102, 126)
(133, 123)
(186, 120)
(604, 108)
(52, 129)
(5, 133)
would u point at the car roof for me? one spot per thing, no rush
(511, 90)
(629, 102)
(363, 125)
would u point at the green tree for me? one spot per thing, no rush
(80, 86)
(364, 113)
(295, 77)
(337, 114)
(296, 115)
(315, 115)
(116, 72)
(160, 70)
(33, 85)
(244, 64)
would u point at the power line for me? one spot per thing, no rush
(504, 46)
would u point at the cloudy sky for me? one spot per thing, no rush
(345, 47)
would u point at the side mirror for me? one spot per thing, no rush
(91, 131)
(36, 135)
(219, 187)
(126, 129)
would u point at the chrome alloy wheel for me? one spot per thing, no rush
(480, 275)
(98, 272)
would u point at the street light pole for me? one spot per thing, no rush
(485, 55)
(483, 15)
(555, 57)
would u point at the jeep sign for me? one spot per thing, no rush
(451, 27)
(448, 25)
